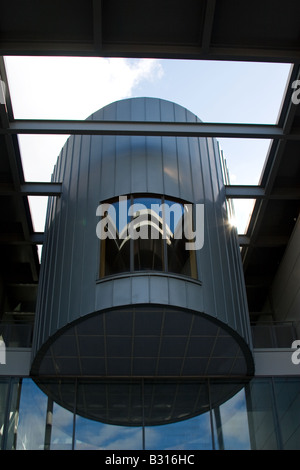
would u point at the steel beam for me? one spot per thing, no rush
(37, 238)
(243, 240)
(258, 192)
(41, 189)
(244, 192)
(138, 128)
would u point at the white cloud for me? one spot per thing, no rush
(71, 87)
(235, 422)
(66, 88)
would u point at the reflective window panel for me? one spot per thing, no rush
(287, 396)
(145, 233)
(263, 414)
(230, 420)
(191, 434)
(4, 388)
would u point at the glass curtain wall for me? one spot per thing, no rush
(262, 415)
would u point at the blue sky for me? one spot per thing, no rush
(216, 91)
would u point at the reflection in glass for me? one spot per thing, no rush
(147, 223)
(93, 435)
(145, 233)
(180, 260)
(115, 402)
(169, 405)
(261, 415)
(3, 403)
(42, 424)
(230, 420)
(110, 402)
(115, 249)
(287, 396)
(59, 427)
(12, 416)
(190, 434)
(32, 416)
(260, 405)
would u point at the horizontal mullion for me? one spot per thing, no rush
(188, 129)
(32, 189)
(258, 192)
(244, 192)
(41, 189)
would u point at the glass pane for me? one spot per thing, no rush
(231, 431)
(109, 415)
(147, 232)
(3, 403)
(191, 434)
(261, 413)
(59, 427)
(180, 260)
(114, 402)
(13, 414)
(115, 248)
(32, 417)
(43, 424)
(287, 394)
(93, 435)
(169, 413)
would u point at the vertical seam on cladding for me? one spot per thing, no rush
(62, 176)
(218, 163)
(216, 153)
(206, 223)
(74, 231)
(215, 216)
(63, 157)
(84, 232)
(64, 232)
(40, 325)
(161, 152)
(54, 264)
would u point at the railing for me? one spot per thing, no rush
(275, 334)
(16, 335)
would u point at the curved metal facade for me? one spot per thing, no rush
(87, 326)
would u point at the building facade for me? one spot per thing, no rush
(142, 336)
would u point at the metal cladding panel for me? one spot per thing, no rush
(149, 289)
(96, 168)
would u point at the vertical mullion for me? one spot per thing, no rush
(74, 413)
(143, 414)
(211, 417)
(131, 241)
(164, 238)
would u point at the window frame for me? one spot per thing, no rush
(165, 258)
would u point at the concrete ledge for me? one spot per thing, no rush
(268, 362)
(17, 362)
(275, 362)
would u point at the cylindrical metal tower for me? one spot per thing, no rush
(132, 306)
